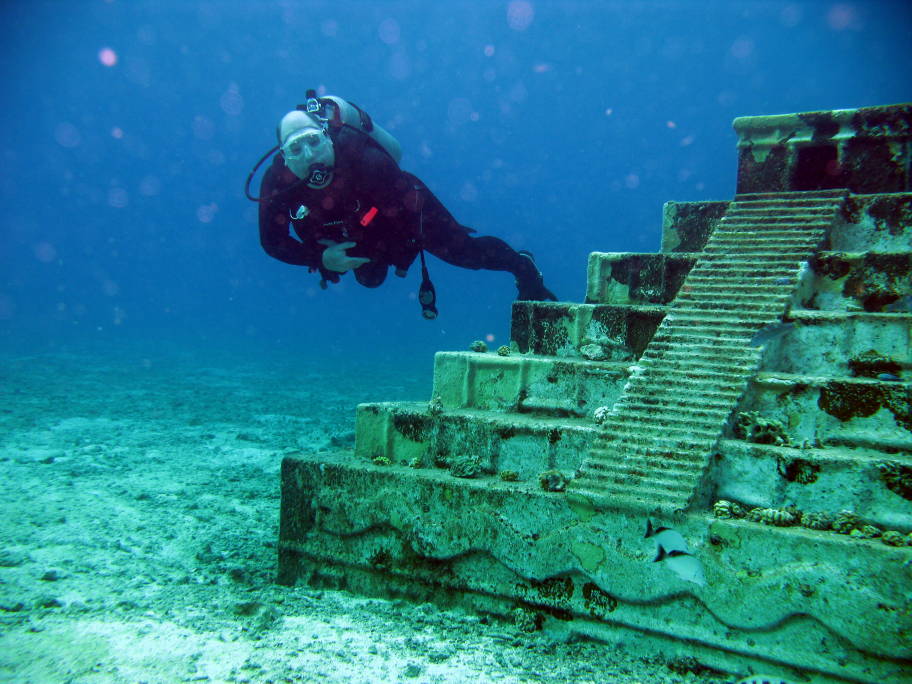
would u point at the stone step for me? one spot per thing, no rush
(691, 340)
(768, 238)
(526, 384)
(675, 377)
(853, 334)
(678, 343)
(696, 386)
(675, 486)
(724, 278)
(671, 471)
(682, 360)
(785, 251)
(686, 316)
(406, 432)
(720, 394)
(827, 409)
(645, 428)
(699, 326)
(792, 195)
(710, 407)
(676, 483)
(795, 202)
(643, 497)
(685, 373)
(760, 311)
(682, 366)
(632, 278)
(738, 236)
(654, 444)
(627, 417)
(663, 425)
(845, 474)
(785, 222)
(742, 300)
(690, 301)
(814, 216)
(725, 256)
(609, 453)
(680, 461)
(560, 329)
(684, 341)
(721, 285)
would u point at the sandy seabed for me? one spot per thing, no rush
(139, 524)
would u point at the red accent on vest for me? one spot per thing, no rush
(368, 216)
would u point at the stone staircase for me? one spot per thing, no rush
(653, 449)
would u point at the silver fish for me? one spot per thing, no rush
(686, 566)
(666, 537)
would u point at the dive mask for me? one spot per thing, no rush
(309, 153)
(302, 144)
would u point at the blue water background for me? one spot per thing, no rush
(560, 126)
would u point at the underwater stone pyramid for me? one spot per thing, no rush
(747, 386)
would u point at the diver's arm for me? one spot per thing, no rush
(274, 220)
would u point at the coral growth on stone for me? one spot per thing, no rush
(897, 477)
(600, 415)
(846, 521)
(817, 521)
(728, 509)
(465, 467)
(780, 517)
(753, 427)
(552, 481)
(435, 406)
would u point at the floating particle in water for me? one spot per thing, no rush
(389, 31)
(520, 14)
(841, 17)
(107, 56)
(118, 198)
(45, 252)
(67, 135)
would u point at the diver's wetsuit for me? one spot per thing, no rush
(401, 215)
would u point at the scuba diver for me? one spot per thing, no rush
(337, 182)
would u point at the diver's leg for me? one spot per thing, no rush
(371, 274)
(446, 239)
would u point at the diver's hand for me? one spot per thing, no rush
(335, 258)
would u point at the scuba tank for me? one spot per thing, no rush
(337, 113)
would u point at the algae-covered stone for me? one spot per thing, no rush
(465, 467)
